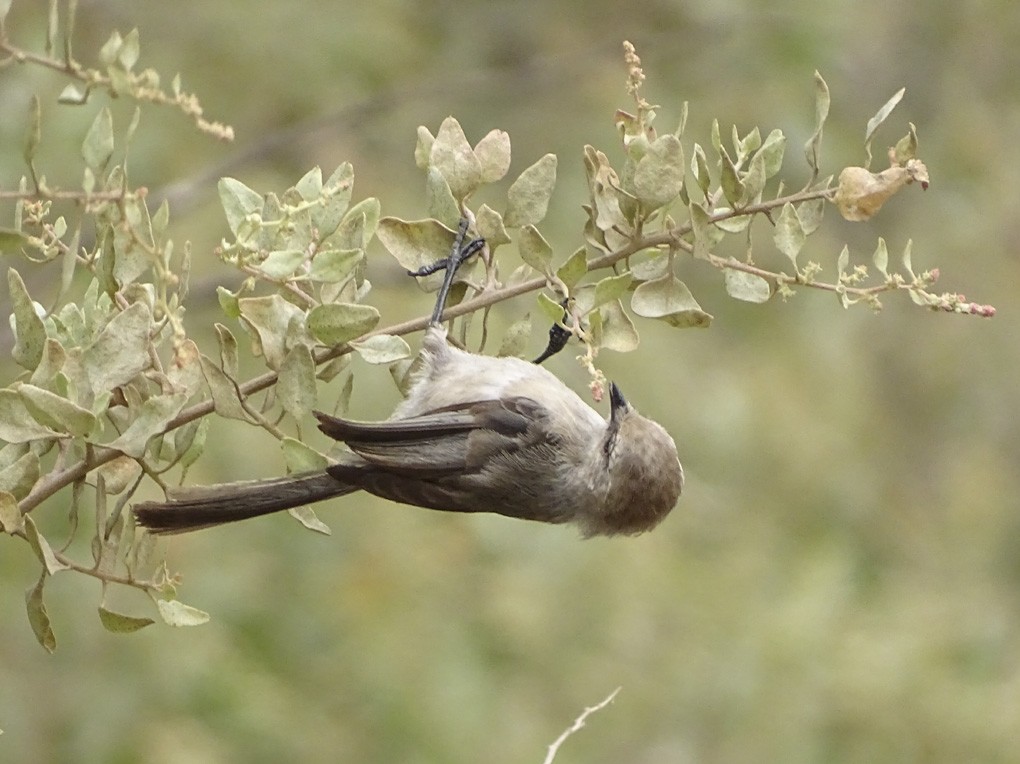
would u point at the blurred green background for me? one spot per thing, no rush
(841, 580)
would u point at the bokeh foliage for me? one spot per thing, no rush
(781, 568)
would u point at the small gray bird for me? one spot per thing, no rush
(475, 434)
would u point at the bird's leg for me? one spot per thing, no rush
(558, 336)
(458, 255)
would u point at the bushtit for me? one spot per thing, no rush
(475, 434)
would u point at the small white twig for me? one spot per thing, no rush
(578, 723)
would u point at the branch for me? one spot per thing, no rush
(578, 724)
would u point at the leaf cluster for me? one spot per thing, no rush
(112, 391)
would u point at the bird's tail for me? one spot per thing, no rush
(191, 509)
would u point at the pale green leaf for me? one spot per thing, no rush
(118, 623)
(528, 196)
(282, 264)
(618, 332)
(238, 202)
(11, 519)
(296, 385)
(151, 419)
(97, 148)
(29, 330)
(309, 187)
(337, 323)
(307, 517)
(747, 286)
(659, 174)
(670, 300)
(17, 425)
(812, 149)
(574, 269)
(611, 288)
(493, 152)
(789, 234)
(335, 265)
(121, 351)
(176, 613)
(223, 391)
(382, 348)
(489, 225)
(451, 155)
(42, 548)
(57, 412)
(534, 249)
(881, 257)
(38, 617)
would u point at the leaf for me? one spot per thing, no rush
(906, 147)
(618, 332)
(699, 166)
(268, 320)
(574, 269)
(439, 199)
(881, 257)
(535, 250)
(551, 309)
(307, 517)
(176, 613)
(880, 116)
(223, 391)
(97, 148)
(528, 196)
(129, 51)
(58, 412)
(493, 152)
(452, 156)
(670, 300)
(309, 187)
(34, 137)
(42, 548)
(337, 323)
(812, 149)
(301, 457)
(282, 264)
(415, 243)
(121, 351)
(772, 152)
(151, 419)
(296, 385)
(11, 241)
(747, 286)
(489, 225)
(789, 234)
(659, 174)
(382, 348)
(810, 214)
(732, 185)
(335, 265)
(11, 519)
(423, 147)
(38, 618)
(17, 425)
(611, 288)
(238, 202)
(118, 623)
(29, 330)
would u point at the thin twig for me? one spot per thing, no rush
(554, 747)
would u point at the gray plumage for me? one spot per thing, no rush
(475, 434)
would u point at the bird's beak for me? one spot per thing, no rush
(618, 404)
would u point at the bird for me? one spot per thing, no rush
(475, 433)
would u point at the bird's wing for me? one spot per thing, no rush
(451, 439)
